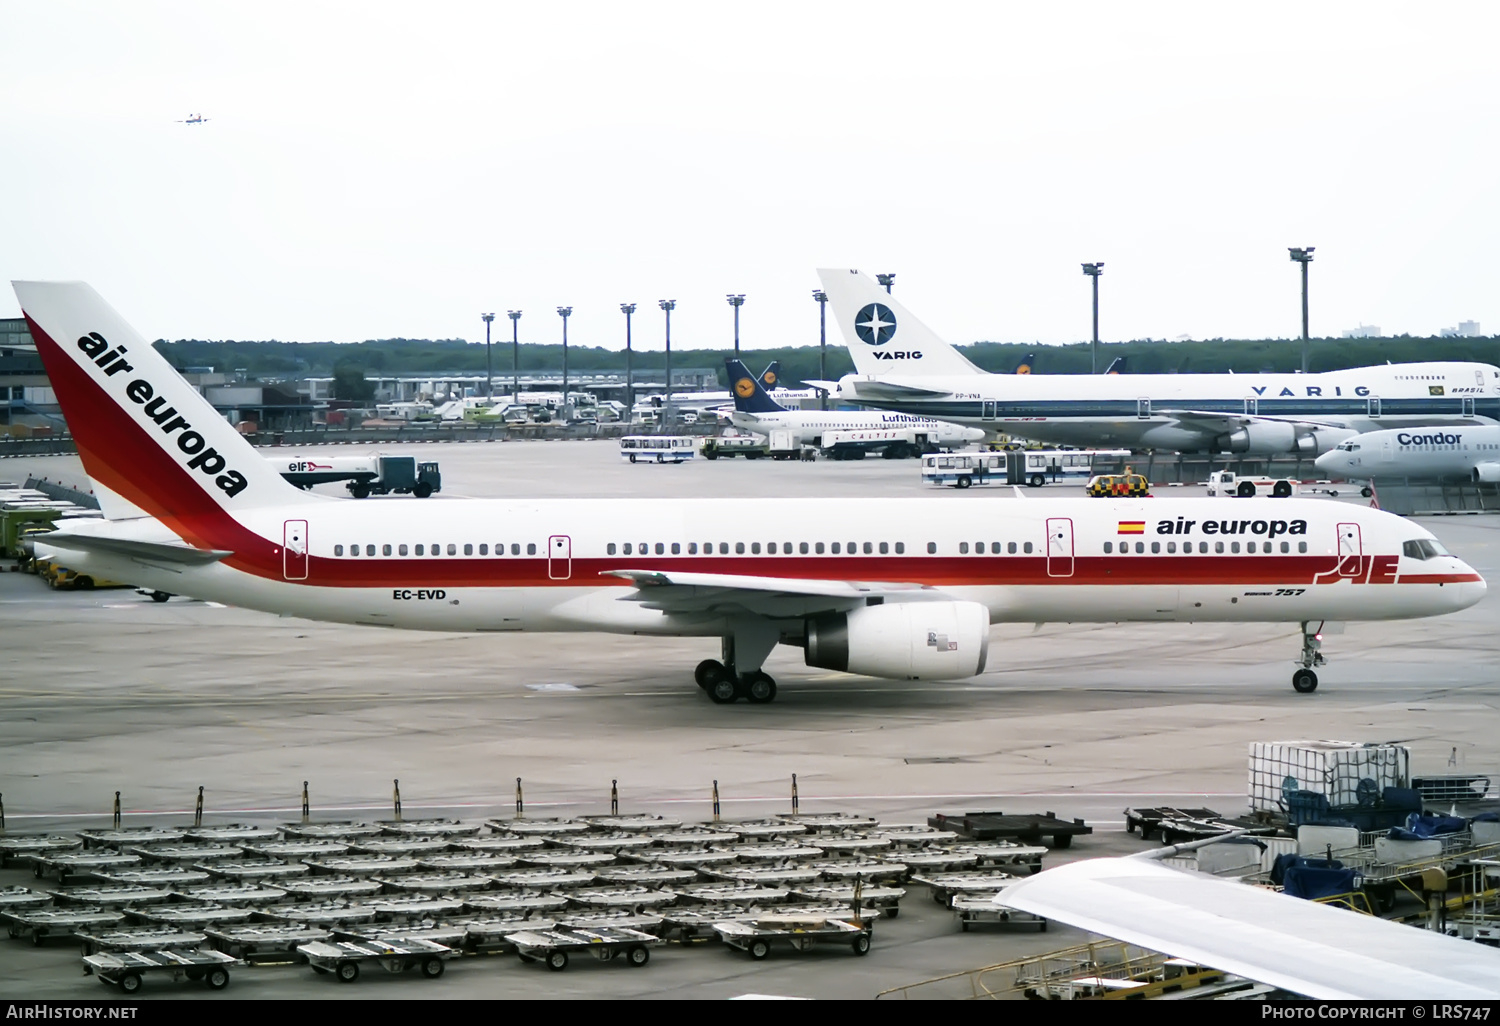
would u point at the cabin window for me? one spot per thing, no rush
(660, 549)
(1140, 548)
(1028, 548)
(932, 548)
(1011, 548)
(530, 548)
(755, 548)
(401, 550)
(419, 549)
(437, 550)
(645, 548)
(852, 548)
(452, 549)
(1155, 547)
(1171, 546)
(468, 549)
(1302, 546)
(884, 548)
(996, 548)
(1218, 547)
(1286, 546)
(724, 548)
(1109, 547)
(739, 548)
(692, 548)
(834, 548)
(771, 548)
(802, 548)
(629, 548)
(963, 548)
(338, 550)
(515, 548)
(369, 550)
(818, 548)
(609, 550)
(676, 548)
(484, 549)
(901, 548)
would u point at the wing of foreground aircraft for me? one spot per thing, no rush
(674, 591)
(1301, 946)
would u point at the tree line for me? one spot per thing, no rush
(281, 360)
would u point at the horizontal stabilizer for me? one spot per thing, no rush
(163, 552)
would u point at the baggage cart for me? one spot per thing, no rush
(854, 844)
(364, 865)
(344, 830)
(1003, 853)
(124, 969)
(253, 869)
(765, 829)
(654, 876)
(84, 863)
(466, 862)
(155, 877)
(1028, 828)
(1146, 820)
(783, 876)
(626, 896)
(772, 852)
(486, 936)
(450, 934)
(866, 896)
(318, 913)
(646, 922)
(497, 844)
(800, 932)
(973, 909)
(139, 938)
(14, 849)
(519, 903)
(975, 883)
(564, 858)
(613, 841)
(189, 853)
(430, 828)
(872, 872)
(41, 923)
(345, 959)
(326, 888)
(537, 827)
(415, 908)
(733, 894)
(916, 835)
(191, 915)
(266, 942)
(436, 883)
(126, 837)
(240, 895)
(14, 899)
(634, 824)
(826, 822)
(689, 858)
(937, 859)
(298, 848)
(695, 837)
(544, 879)
(554, 946)
(410, 846)
(232, 833)
(112, 897)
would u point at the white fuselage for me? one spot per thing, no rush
(501, 565)
(1432, 454)
(810, 426)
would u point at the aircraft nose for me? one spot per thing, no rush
(973, 434)
(1330, 462)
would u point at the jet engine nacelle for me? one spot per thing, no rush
(903, 640)
(1487, 473)
(1262, 438)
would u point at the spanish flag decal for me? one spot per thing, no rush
(1132, 527)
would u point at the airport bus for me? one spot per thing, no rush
(658, 448)
(1034, 467)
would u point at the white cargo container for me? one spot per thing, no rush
(1335, 769)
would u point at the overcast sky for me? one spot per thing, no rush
(375, 170)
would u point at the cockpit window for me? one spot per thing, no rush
(1423, 548)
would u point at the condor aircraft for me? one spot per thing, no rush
(1425, 454)
(755, 410)
(901, 588)
(901, 365)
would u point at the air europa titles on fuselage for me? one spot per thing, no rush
(1269, 528)
(205, 458)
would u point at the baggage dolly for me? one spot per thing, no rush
(125, 968)
(344, 959)
(801, 932)
(42, 923)
(604, 943)
(140, 938)
(974, 908)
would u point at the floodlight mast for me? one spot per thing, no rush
(1094, 270)
(1303, 255)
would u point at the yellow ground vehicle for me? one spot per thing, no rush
(1126, 485)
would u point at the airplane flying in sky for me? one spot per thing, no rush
(193, 119)
(1423, 454)
(901, 365)
(903, 588)
(755, 410)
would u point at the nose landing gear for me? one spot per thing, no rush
(1305, 680)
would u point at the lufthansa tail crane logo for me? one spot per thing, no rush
(875, 324)
(744, 388)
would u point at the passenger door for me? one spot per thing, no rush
(559, 557)
(1059, 547)
(294, 550)
(987, 410)
(1350, 550)
(1143, 408)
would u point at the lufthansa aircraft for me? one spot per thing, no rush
(1424, 454)
(755, 410)
(903, 588)
(901, 365)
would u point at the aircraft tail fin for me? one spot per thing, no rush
(1116, 366)
(145, 435)
(1028, 362)
(749, 395)
(771, 376)
(882, 336)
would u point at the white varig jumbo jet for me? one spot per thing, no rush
(900, 364)
(901, 588)
(1423, 454)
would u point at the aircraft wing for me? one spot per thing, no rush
(1301, 946)
(1222, 423)
(672, 591)
(160, 552)
(856, 389)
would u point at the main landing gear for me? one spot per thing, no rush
(1305, 680)
(723, 685)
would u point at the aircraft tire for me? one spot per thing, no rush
(706, 671)
(723, 690)
(760, 689)
(1305, 682)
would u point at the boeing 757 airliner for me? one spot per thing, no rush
(901, 588)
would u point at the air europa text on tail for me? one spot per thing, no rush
(204, 458)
